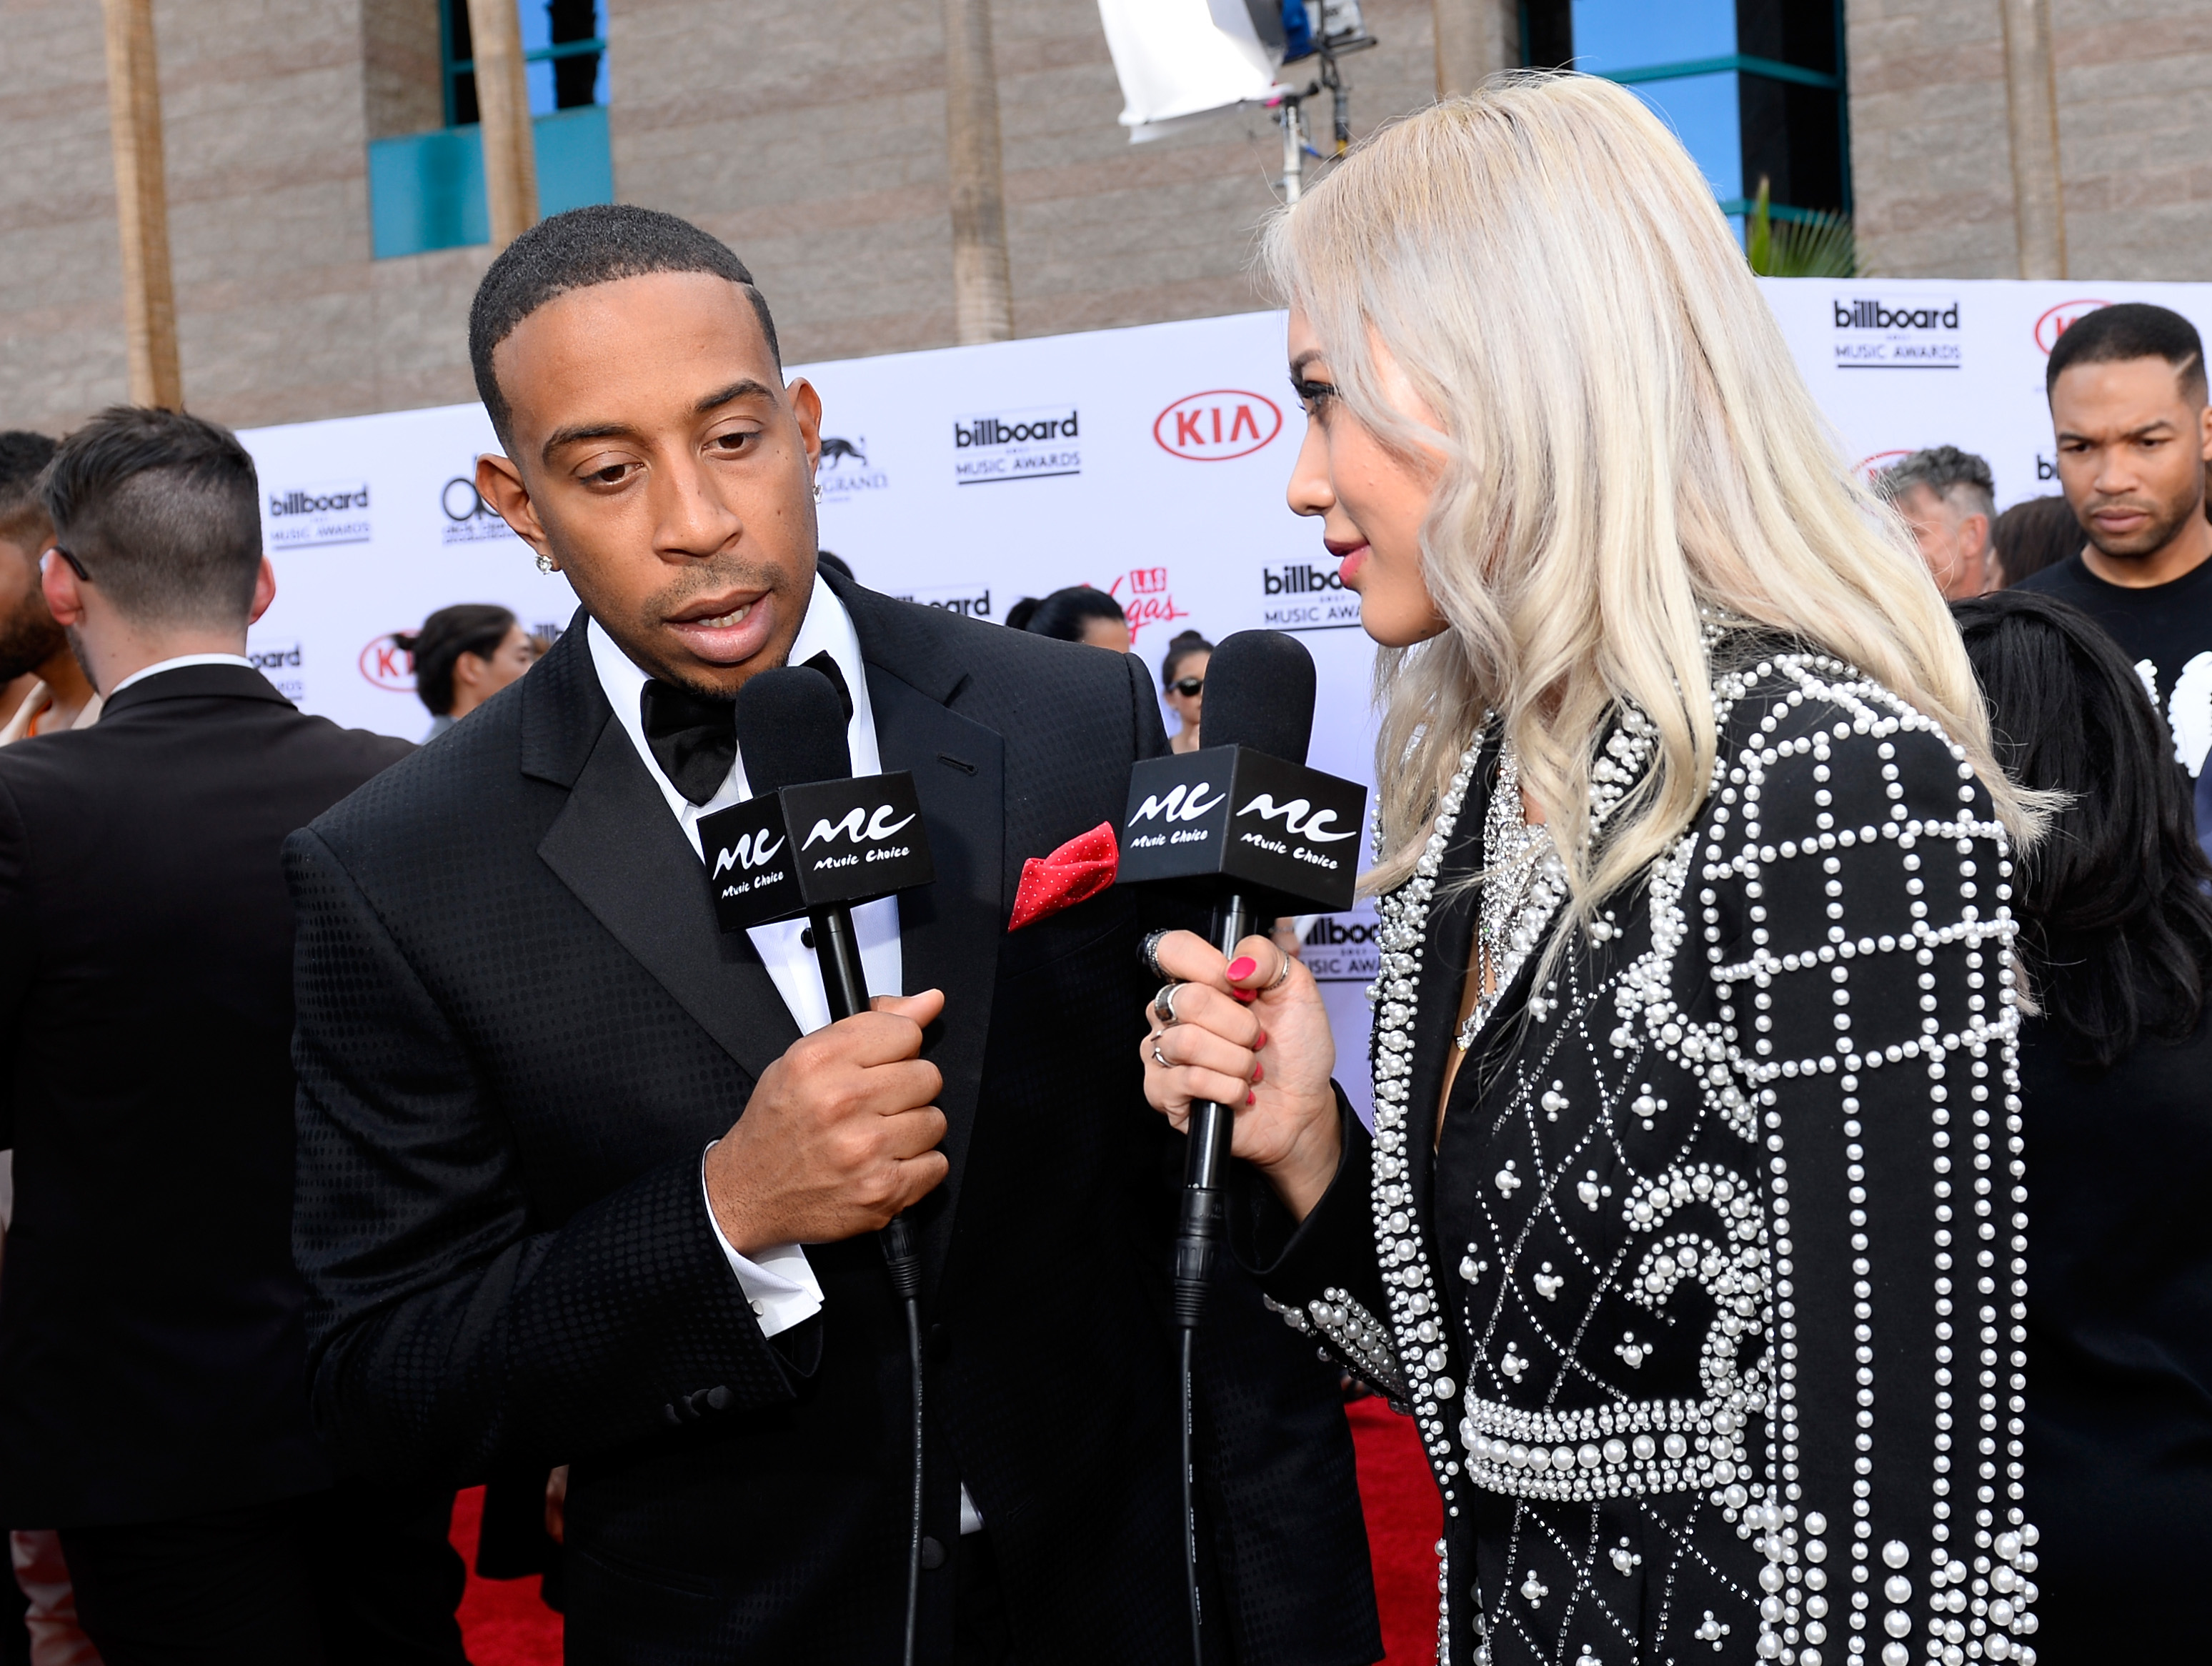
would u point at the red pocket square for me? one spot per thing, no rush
(1075, 872)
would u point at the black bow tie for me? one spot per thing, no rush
(694, 737)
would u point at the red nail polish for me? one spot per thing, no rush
(1248, 996)
(1242, 966)
(1261, 1043)
(1259, 1074)
(1251, 1098)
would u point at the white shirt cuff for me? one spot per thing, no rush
(779, 1283)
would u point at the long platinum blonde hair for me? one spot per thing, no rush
(1625, 442)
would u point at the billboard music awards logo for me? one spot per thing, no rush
(1300, 596)
(313, 517)
(282, 666)
(1146, 598)
(1018, 445)
(1216, 425)
(1914, 332)
(2053, 324)
(969, 601)
(844, 472)
(468, 518)
(1340, 948)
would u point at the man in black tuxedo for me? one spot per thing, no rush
(585, 1181)
(151, 1351)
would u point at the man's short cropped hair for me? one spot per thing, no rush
(22, 455)
(1958, 477)
(579, 250)
(2132, 330)
(163, 510)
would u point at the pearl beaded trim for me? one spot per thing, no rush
(1977, 1554)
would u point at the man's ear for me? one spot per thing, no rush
(57, 583)
(265, 591)
(498, 483)
(807, 408)
(1974, 533)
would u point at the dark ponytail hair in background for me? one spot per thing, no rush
(1061, 614)
(2116, 927)
(476, 627)
(1186, 642)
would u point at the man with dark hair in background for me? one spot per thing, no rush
(585, 1181)
(1947, 498)
(151, 1352)
(2127, 402)
(31, 644)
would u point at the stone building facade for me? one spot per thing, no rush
(811, 135)
(1932, 168)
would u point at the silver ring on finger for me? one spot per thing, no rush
(1164, 1003)
(1159, 1057)
(1282, 973)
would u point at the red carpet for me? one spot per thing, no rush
(505, 1625)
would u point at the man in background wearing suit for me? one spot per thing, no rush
(584, 1180)
(151, 1352)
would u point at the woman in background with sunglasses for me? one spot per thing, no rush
(1182, 678)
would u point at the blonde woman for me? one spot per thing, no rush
(1690, 1229)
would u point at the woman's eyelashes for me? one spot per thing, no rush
(1312, 394)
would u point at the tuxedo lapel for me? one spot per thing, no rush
(949, 930)
(615, 845)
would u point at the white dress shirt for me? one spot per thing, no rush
(177, 664)
(778, 1282)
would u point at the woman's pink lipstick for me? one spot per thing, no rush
(1354, 558)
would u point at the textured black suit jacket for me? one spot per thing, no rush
(151, 1353)
(519, 1028)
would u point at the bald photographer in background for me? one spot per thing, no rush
(152, 1404)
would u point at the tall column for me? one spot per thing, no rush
(982, 289)
(141, 204)
(510, 148)
(1473, 43)
(2032, 105)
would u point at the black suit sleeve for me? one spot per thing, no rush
(443, 1332)
(1321, 1272)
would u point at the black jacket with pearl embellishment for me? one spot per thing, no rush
(1707, 1303)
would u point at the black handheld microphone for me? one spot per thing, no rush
(815, 839)
(1245, 819)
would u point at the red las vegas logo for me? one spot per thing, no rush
(1216, 425)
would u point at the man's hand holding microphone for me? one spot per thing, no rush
(839, 1136)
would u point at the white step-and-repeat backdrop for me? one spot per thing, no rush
(1150, 462)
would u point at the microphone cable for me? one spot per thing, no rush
(844, 981)
(1198, 1241)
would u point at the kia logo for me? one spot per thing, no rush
(2053, 324)
(1871, 466)
(388, 666)
(1216, 425)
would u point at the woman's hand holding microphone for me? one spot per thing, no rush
(1250, 1032)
